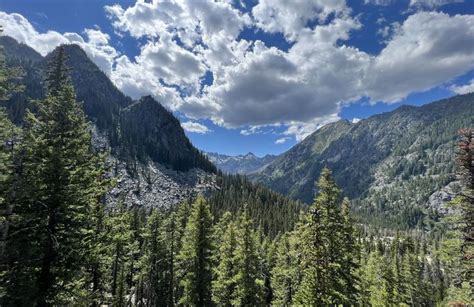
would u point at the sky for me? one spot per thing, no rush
(260, 75)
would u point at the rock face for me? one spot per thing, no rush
(151, 160)
(439, 199)
(240, 164)
(158, 186)
(150, 132)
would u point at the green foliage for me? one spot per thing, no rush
(388, 164)
(58, 178)
(62, 246)
(224, 284)
(249, 290)
(152, 280)
(328, 250)
(399, 272)
(148, 131)
(271, 212)
(195, 256)
(286, 274)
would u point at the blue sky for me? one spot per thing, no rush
(260, 75)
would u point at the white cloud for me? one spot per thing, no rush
(428, 4)
(463, 89)
(254, 85)
(303, 129)
(195, 127)
(432, 3)
(96, 45)
(291, 17)
(428, 49)
(355, 120)
(379, 2)
(282, 140)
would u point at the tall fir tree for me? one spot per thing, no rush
(326, 239)
(249, 281)
(224, 284)
(153, 264)
(285, 274)
(195, 257)
(320, 281)
(121, 245)
(58, 179)
(9, 134)
(350, 255)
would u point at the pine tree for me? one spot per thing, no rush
(121, 244)
(267, 256)
(285, 272)
(224, 285)
(249, 290)
(8, 134)
(322, 283)
(8, 137)
(153, 263)
(195, 260)
(173, 230)
(97, 257)
(349, 253)
(60, 178)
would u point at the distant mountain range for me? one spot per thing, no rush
(395, 166)
(240, 164)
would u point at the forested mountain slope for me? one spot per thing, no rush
(153, 162)
(389, 163)
(148, 145)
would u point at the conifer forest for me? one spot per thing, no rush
(104, 201)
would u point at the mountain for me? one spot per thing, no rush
(390, 164)
(154, 160)
(240, 164)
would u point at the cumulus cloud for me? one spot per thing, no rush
(282, 140)
(96, 44)
(463, 89)
(254, 85)
(195, 127)
(291, 17)
(428, 49)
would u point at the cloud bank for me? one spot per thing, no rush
(194, 58)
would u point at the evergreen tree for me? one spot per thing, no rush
(350, 254)
(323, 244)
(8, 137)
(195, 261)
(122, 246)
(58, 179)
(97, 255)
(224, 284)
(286, 270)
(173, 230)
(153, 263)
(249, 290)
